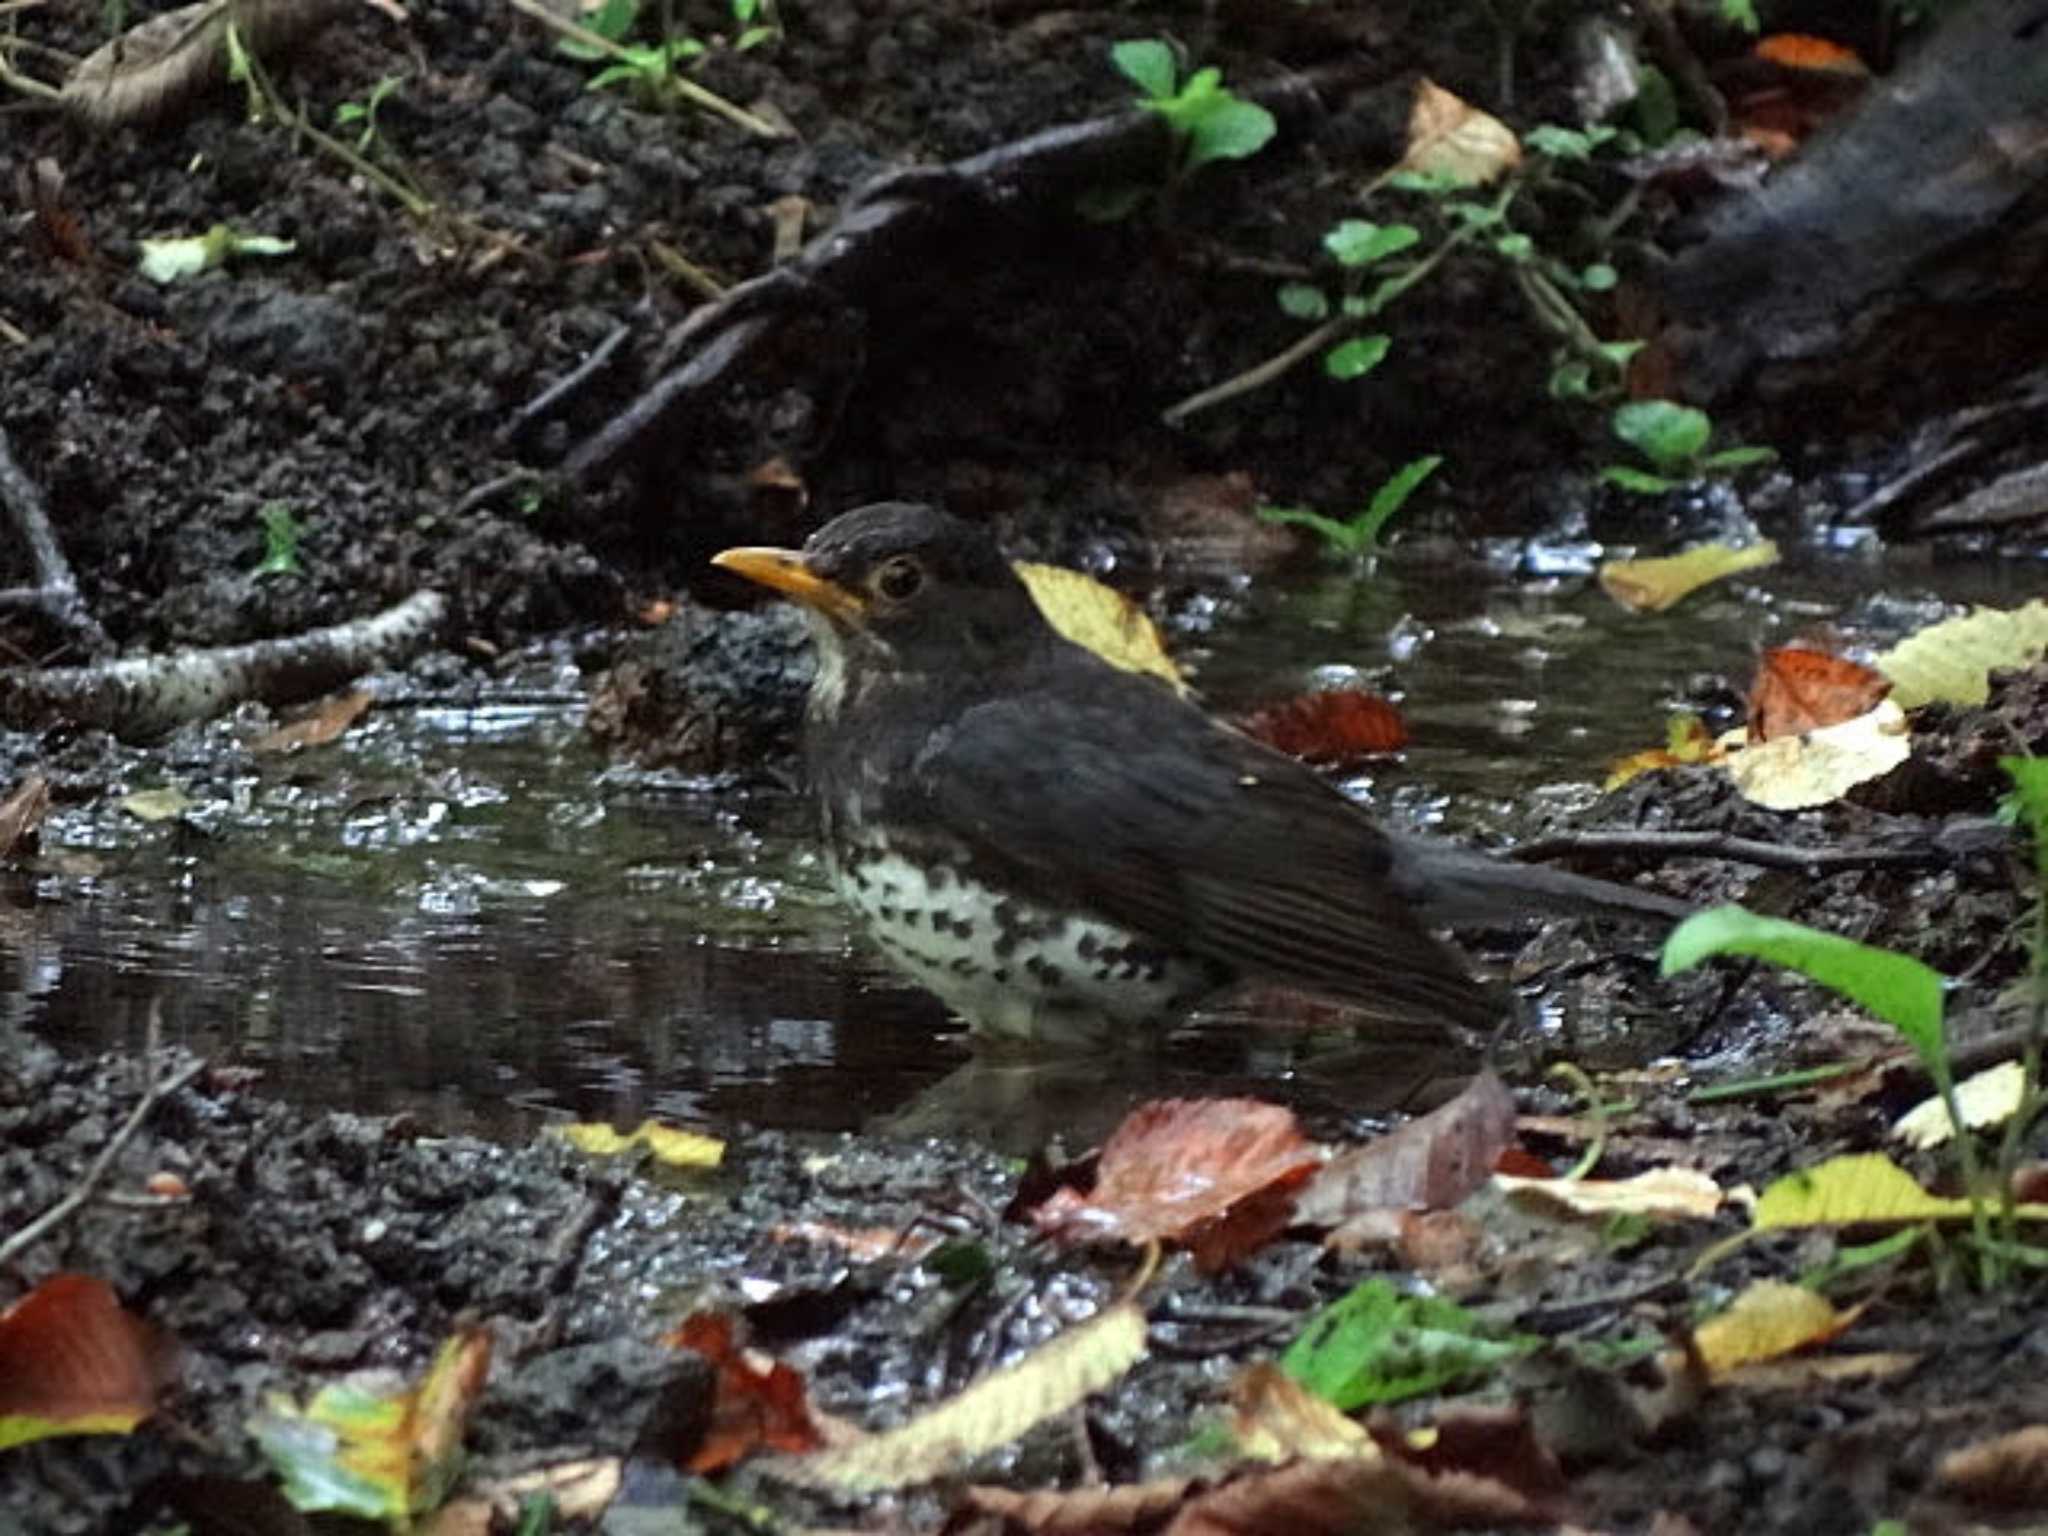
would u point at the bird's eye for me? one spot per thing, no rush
(898, 580)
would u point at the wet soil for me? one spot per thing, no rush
(366, 383)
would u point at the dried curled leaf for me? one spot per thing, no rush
(157, 68)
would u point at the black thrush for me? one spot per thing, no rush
(1068, 852)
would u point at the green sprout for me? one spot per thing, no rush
(1361, 534)
(1674, 439)
(1208, 120)
(350, 113)
(281, 534)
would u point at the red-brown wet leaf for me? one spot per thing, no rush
(760, 1402)
(1803, 51)
(329, 719)
(1799, 690)
(1338, 728)
(21, 814)
(1216, 1175)
(73, 1361)
(1427, 1164)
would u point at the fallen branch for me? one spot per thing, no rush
(899, 224)
(154, 1090)
(140, 697)
(55, 593)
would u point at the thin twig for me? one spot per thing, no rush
(56, 589)
(153, 1091)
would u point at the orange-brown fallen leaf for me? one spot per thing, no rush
(1801, 50)
(1799, 690)
(1216, 1175)
(73, 1361)
(1338, 727)
(1449, 137)
(759, 1402)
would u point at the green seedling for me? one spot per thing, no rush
(281, 534)
(350, 113)
(1674, 439)
(1361, 534)
(1209, 122)
(1908, 995)
(757, 22)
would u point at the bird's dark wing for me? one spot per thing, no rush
(1167, 823)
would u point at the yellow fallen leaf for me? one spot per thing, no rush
(1952, 661)
(1675, 1192)
(1862, 1189)
(987, 1414)
(1449, 137)
(1769, 1319)
(1650, 586)
(156, 804)
(678, 1149)
(1992, 1097)
(1686, 740)
(1795, 773)
(1099, 618)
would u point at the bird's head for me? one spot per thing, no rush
(901, 585)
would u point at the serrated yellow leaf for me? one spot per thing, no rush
(1953, 661)
(1862, 1189)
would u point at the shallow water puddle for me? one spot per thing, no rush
(464, 912)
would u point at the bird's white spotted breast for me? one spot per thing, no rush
(1011, 968)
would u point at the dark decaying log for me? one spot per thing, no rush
(1905, 245)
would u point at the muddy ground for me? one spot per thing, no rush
(368, 381)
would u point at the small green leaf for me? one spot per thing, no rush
(1231, 129)
(1619, 352)
(610, 21)
(1333, 533)
(1304, 301)
(1598, 278)
(1148, 64)
(1904, 992)
(1741, 13)
(1738, 458)
(1355, 307)
(281, 534)
(1375, 1345)
(1476, 215)
(1640, 481)
(1571, 380)
(1515, 247)
(1655, 108)
(1428, 183)
(1357, 243)
(1392, 496)
(1356, 358)
(1669, 435)
(1558, 143)
(2029, 777)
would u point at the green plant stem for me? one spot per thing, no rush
(1990, 1266)
(420, 207)
(2030, 1076)
(1330, 332)
(689, 90)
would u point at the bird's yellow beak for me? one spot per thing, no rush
(789, 573)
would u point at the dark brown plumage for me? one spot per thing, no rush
(1065, 850)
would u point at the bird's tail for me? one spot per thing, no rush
(1454, 886)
